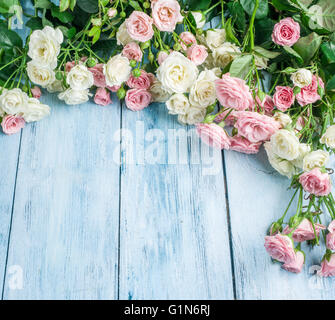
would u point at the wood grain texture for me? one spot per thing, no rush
(257, 197)
(9, 153)
(174, 234)
(66, 213)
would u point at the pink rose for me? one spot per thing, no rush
(98, 75)
(197, 54)
(102, 97)
(331, 227)
(139, 26)
(132, 51)
(330, 238)
(243, 145)
(309, 94)
(229, 119)
(166, 14)
(137, 99)
(233, 93)
(304, 231)
(327, 267)
(187, 39)
(316, 182)
(283, 98)
(267, 105)
(286, 32)
(69, 65)
(162, 55)
(12, 124)
(255, 127)
(113, 88)
(213, 135)
(112, 12)
(280, 247)
(295, 265)
(330, 241)
(141, 82)
(152, 78)
(36, 92)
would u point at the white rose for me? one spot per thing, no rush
(35, 110)
(117, 70)
(199, 18)
(261, 62)
(40, 75)
(73, 97)
(122, 35)
(178, 104)
(44, 46)
(56, 86)
(283, 118)
(328, 137)
(304, 149)
(225, 54)
(203, 93)
(177, 73)
(194, 115)
(315, 159)
(285, 144)
(283, 166)
(302, 78)
(157, 92)
(80, 78)
(2, 90)
(215, 38)
(13, 102)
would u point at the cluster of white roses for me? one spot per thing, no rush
(192, 92)
(16, 103)
(288, 156)
(44, 49)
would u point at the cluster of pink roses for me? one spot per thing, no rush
(280, 246)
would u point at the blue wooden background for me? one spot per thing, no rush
(77, 225)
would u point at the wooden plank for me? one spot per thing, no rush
(257, 197)
(9, 146)
(66, 214)
(174, 233)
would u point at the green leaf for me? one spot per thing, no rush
(47, 22)
(249, 6)
(9, 38)
(289, 70)
(241, 66)
(230, 33)
(306, 47)
(266, 53)
(105, 48)
(89, 6)
(322, 14)
(64, 16)
(72, 4)
(283, 5)
(8, 6)
(43, 4)
(264, 28)
(93, 31)
(135, 5)
(238, 14)
(64, 5)
(72, 32)
(293, 53)
(195, 5)
(328, 49)
(331, 84)
(34, 24)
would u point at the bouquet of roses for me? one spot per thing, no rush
(262, 74)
